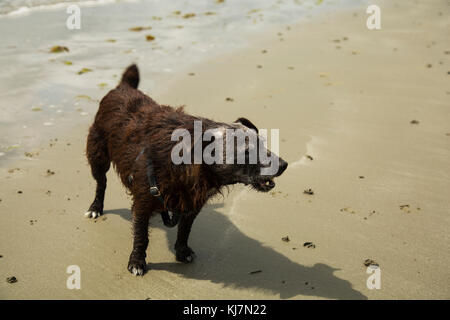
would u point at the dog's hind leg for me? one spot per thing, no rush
(98, 157)
(182, 250)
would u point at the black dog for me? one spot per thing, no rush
(135, 133)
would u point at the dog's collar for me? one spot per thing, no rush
(169, 220)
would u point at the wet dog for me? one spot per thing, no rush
(136, 135)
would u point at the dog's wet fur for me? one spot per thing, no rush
(128, 124)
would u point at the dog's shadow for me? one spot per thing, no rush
(227, 256)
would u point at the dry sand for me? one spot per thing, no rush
(338, 92)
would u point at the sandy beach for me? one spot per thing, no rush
(364, 123)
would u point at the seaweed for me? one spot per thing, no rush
(405, 208)
(83, 96)
(31, 154)
(253, 11)
(347, 209)
(138, 29)
(58, 49)
(84, 70)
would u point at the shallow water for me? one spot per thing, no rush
(41, 93)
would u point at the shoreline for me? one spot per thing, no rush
(379, 180)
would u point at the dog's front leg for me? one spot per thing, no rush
(183, 252)
(137, 264)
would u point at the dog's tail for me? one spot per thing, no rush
(131, 76)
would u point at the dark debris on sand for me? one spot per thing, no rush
(255, 272)
(370, 262)
(309, 245)
(11, 279)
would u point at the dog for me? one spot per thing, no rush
(135, 133)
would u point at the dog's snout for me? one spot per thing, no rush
(282, 167)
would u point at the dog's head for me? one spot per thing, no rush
(247, 160)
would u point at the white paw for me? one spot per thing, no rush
(92, 214)
(137, 271)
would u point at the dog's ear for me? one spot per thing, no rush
(247, 123)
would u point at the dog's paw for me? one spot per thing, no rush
(137, 267)
(92, 214)
(185, 254)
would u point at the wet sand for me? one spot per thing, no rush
(340, 94)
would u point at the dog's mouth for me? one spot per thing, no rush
(264, 184)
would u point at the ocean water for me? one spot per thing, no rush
(17, 7)
(43, 93)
